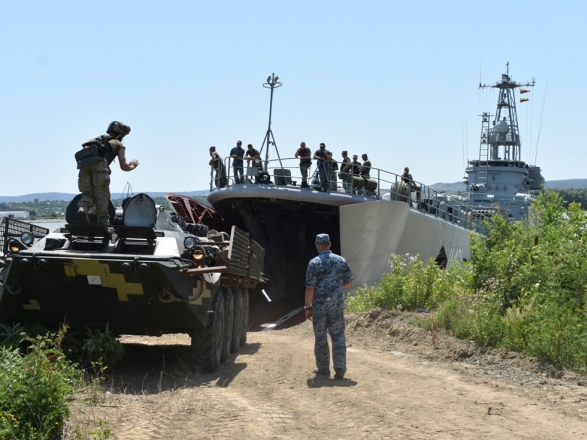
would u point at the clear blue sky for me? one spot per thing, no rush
(396, 80)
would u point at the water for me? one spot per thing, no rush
(49, 224)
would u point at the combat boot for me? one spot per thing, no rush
(82, 213)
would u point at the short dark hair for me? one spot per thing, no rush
(250, 146)
(322, 144)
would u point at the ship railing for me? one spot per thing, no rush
(378, 185)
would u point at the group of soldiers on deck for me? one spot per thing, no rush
(328, 170)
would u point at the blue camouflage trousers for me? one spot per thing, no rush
(333, 323)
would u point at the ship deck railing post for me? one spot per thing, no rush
(227, 167)
(378, 183)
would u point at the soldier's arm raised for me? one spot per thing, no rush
(124, 165)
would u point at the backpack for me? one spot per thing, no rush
(92, 151)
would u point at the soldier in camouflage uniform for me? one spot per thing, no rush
(327, 274)
(94, 180)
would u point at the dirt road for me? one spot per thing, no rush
(401, 383)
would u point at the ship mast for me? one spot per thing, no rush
(272, 83)
(501, 141)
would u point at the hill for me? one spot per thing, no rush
(444, 187)
(551, 184)
(43, 197)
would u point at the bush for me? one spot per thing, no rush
(410, 285)
(34, 388)
(524, 289)
(102, 348)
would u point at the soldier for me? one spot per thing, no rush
(333, 173)
(327, 274)
(94, 179)
(237, 154)
(216, 163)
(345, 172)
(409, 180)
(254, 155)
(366, 167)
(365, 173)
(355, 171)
(323, 156)
(305, 156)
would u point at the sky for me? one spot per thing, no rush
(394, 79)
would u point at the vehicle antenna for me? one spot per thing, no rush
(272, 83)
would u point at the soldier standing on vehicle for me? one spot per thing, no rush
(327, 274)
(94, 178)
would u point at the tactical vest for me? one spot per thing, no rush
(94, 150)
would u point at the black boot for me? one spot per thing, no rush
(82, 213)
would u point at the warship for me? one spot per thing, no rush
(499, 180)
(368, 218)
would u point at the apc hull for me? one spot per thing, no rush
(92, 289)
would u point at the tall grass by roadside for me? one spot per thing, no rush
(524, 288)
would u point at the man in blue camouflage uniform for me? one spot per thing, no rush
(327, 274)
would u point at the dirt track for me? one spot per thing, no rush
(399, 385)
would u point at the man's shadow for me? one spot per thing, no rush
(325, 382)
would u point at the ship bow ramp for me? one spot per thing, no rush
(371, 232)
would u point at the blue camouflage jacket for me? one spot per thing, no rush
(326, 274)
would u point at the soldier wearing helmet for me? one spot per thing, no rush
(94, 178)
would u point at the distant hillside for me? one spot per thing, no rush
(566, 184)
(44, 197)
(449, 187)
(444, 187)
(552, 184)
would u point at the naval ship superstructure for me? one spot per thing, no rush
(499, 179)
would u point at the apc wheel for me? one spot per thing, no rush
(245, 294)
(237, 325)
(228, 322)
(207, 344)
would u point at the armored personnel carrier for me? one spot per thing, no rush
(149, 275)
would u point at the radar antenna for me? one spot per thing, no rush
(500, 139)
(272, 83)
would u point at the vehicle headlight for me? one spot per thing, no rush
(190, 242)
(27, 238)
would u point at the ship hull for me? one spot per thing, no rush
(285, 221)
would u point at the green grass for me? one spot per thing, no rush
(524, 288)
